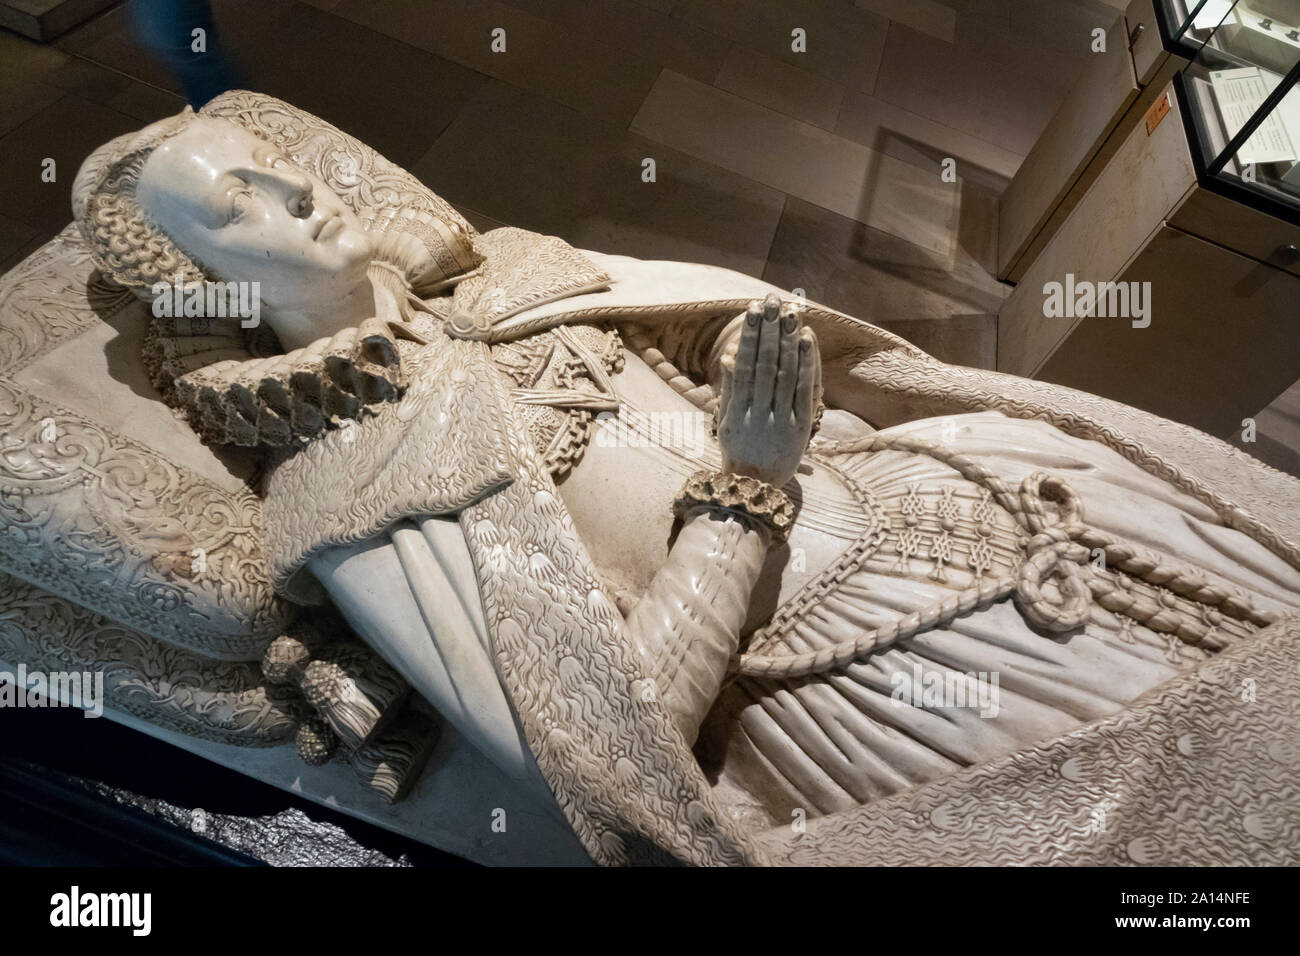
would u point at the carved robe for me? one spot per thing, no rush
(825, 741)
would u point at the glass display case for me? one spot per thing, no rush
(1241, 100)
(1187, 24)
(1194, 189)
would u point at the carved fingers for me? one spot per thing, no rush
(769, 351)
(808, 389)
(771, 382)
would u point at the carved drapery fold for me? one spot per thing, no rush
(1203, 770)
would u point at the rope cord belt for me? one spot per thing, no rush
(1055, 549)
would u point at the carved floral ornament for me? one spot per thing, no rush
(106, 520)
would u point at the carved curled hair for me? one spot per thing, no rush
(126, 245)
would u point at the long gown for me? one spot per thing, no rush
(833, 740)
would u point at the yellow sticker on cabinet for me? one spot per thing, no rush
(1159, 110)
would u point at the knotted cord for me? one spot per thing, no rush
(1056, 548)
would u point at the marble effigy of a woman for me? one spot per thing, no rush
(886, 610)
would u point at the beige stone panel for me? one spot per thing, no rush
(1148, 176)
(1093, 108)
(802, 160)
(1149, 51)
(1241, 228)
(779, 86)
(1136, 115)
(1220, 346)
(925, 15)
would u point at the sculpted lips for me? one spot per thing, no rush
(328, 226)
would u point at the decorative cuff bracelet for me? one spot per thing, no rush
(757, 500)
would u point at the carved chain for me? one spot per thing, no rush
(563, 372)
(1054, 548)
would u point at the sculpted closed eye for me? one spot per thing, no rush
(240, 200)
(273, 160)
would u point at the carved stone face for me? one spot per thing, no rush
(247, 214)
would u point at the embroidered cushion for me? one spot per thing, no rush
(107, 498)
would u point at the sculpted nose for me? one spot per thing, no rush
(296, 189)
(300, 204)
